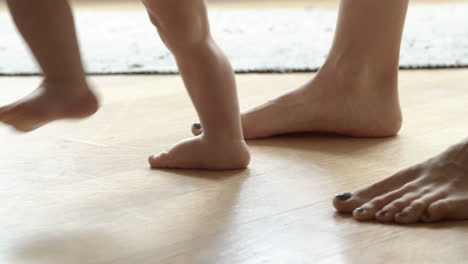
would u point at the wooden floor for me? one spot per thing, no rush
(82, 192)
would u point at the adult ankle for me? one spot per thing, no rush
(360, 74)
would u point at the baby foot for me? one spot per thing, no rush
(431, 191)
(202, 153)
(50, 102)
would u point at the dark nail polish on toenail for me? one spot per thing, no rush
(343, 196)
(197, 126)
(382, 213)
(360, 210)
(401, 214)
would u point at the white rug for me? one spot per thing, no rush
(255, 40)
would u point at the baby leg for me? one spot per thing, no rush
(48, 28)
(209, 79)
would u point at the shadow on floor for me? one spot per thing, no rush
(101, 246)
(69, 248)
(446, 224)
(215, 175)
(323, 142)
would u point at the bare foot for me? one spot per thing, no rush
(430, 191)
(50, 102)
(201, 153)
(353, 106)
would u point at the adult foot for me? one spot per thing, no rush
(434, 190)
(202, 153)
(353, 104)
(50, 102)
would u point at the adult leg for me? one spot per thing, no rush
(355, 92)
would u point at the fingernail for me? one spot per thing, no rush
(343, 196)
(197, 126)
(402, 214)
(360, 210)
(382, 212)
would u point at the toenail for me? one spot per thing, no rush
(197, 126)
(382, 212)
(402, 214)
(360, 210)
(344, 196)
